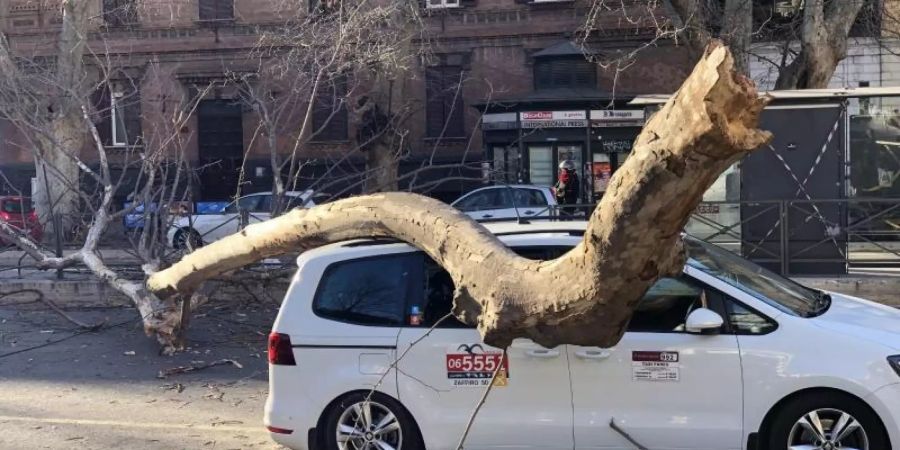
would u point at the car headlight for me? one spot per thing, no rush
(894, 361)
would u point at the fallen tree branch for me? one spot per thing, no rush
(196, 367)
(43, 298)
(585, 297)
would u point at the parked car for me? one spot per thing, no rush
(727, 356)
(507, 202)
(198, 229)
(19, 212)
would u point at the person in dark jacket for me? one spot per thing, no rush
(566, 188)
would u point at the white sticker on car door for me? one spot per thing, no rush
(655, 366)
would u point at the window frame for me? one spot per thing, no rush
(416, 272)
(217, 8)
(117, 124)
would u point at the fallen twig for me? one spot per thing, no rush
(193, 368)
(40, 296)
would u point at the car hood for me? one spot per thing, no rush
(862, 319)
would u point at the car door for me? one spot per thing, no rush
(442, 374)
(487, 204)
(213, 227)
(530, 202)
(666, 388)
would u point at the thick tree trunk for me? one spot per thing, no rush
(58, 173)
(584, 297)
(823, 44)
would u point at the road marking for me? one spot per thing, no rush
(115, 423)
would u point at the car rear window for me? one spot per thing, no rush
(367, 291)
(17, 206)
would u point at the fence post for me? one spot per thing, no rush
(244, 218)
(784, 238)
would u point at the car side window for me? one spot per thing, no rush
(666, 305)
(474, 202)
(437, 300)
(264, 204)
(529, 198)
(746, 321)
(368, 291)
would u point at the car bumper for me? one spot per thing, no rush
(886, 402)
(289, 408)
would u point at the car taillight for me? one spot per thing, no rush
(280, 351)
(4, 216)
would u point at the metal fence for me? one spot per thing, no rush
(793, 237)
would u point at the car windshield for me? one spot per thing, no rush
(768, 286)
(17, 206)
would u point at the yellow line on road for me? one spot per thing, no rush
(115, 423)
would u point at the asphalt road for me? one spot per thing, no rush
(101, 389)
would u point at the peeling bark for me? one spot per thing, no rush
(586, 296)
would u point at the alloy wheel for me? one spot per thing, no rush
(828, 429)
(368, 425)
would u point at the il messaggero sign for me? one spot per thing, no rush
(553, 119)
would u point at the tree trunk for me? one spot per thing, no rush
(58, 173)
(823, 44)
(737, 29)
(586, 296)
(381, 166)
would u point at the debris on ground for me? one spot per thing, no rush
(197, 365)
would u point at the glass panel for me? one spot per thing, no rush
(529, 197)
(369, 291)
(602, 171)
(665, 306)
(540, 168)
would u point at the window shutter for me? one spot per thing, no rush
(224, 9)
(103, 119)
(453, 102)
(330, 121)
(444, 115)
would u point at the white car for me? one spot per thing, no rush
(507, 202)
(199, 229)
(727, 356)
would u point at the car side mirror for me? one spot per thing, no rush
(703, 321)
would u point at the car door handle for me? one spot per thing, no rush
(593, 354)
(487, 216)
(528, 213)
(542, 353)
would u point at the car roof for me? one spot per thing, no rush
(513, 186)
(536, 233)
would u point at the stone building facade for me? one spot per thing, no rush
(512, 56)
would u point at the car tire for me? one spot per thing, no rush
(794, 422)
(186, 238)
(397, 427)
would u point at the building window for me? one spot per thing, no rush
(211, 10)
(329, 119)
(118, 108)
(119, 13)
(568, 72)
(442, 4)
(444, 102)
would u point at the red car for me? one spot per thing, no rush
(18, 212)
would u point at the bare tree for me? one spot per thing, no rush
(810, 37)
(584, 297)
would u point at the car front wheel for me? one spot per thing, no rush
(187, 239)
(356, 422)
(827, 421)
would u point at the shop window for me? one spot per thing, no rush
(565, 72)
(329, 119)
(119, 13)
(118, 108)
(444, 102)
(212, 10)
